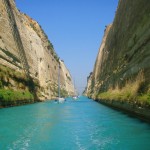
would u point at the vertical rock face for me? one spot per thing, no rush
(41, 58)
(99, 65)
(123, 61)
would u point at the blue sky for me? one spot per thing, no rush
(75, 28)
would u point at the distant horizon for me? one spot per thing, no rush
(75, 28)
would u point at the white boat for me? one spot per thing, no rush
(60, 99)
(74, 97)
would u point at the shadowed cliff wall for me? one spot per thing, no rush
(122, 68)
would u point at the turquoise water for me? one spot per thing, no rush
(74, 125)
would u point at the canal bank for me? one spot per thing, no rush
(130, 108)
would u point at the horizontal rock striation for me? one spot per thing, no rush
(27, 54)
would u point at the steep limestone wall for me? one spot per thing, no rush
(7, 42)
(42, 59)
(92, 83)
(68, 79)
(122, 68)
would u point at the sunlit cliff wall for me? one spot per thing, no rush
(41, 58)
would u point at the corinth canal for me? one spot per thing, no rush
(73, 125)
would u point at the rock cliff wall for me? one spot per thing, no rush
(29, 53)
(122, 67)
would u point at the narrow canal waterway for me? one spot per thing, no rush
(74, 125)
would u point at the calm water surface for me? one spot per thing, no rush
(74, 125)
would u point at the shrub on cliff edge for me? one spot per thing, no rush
(11, 95)
(132, 92)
